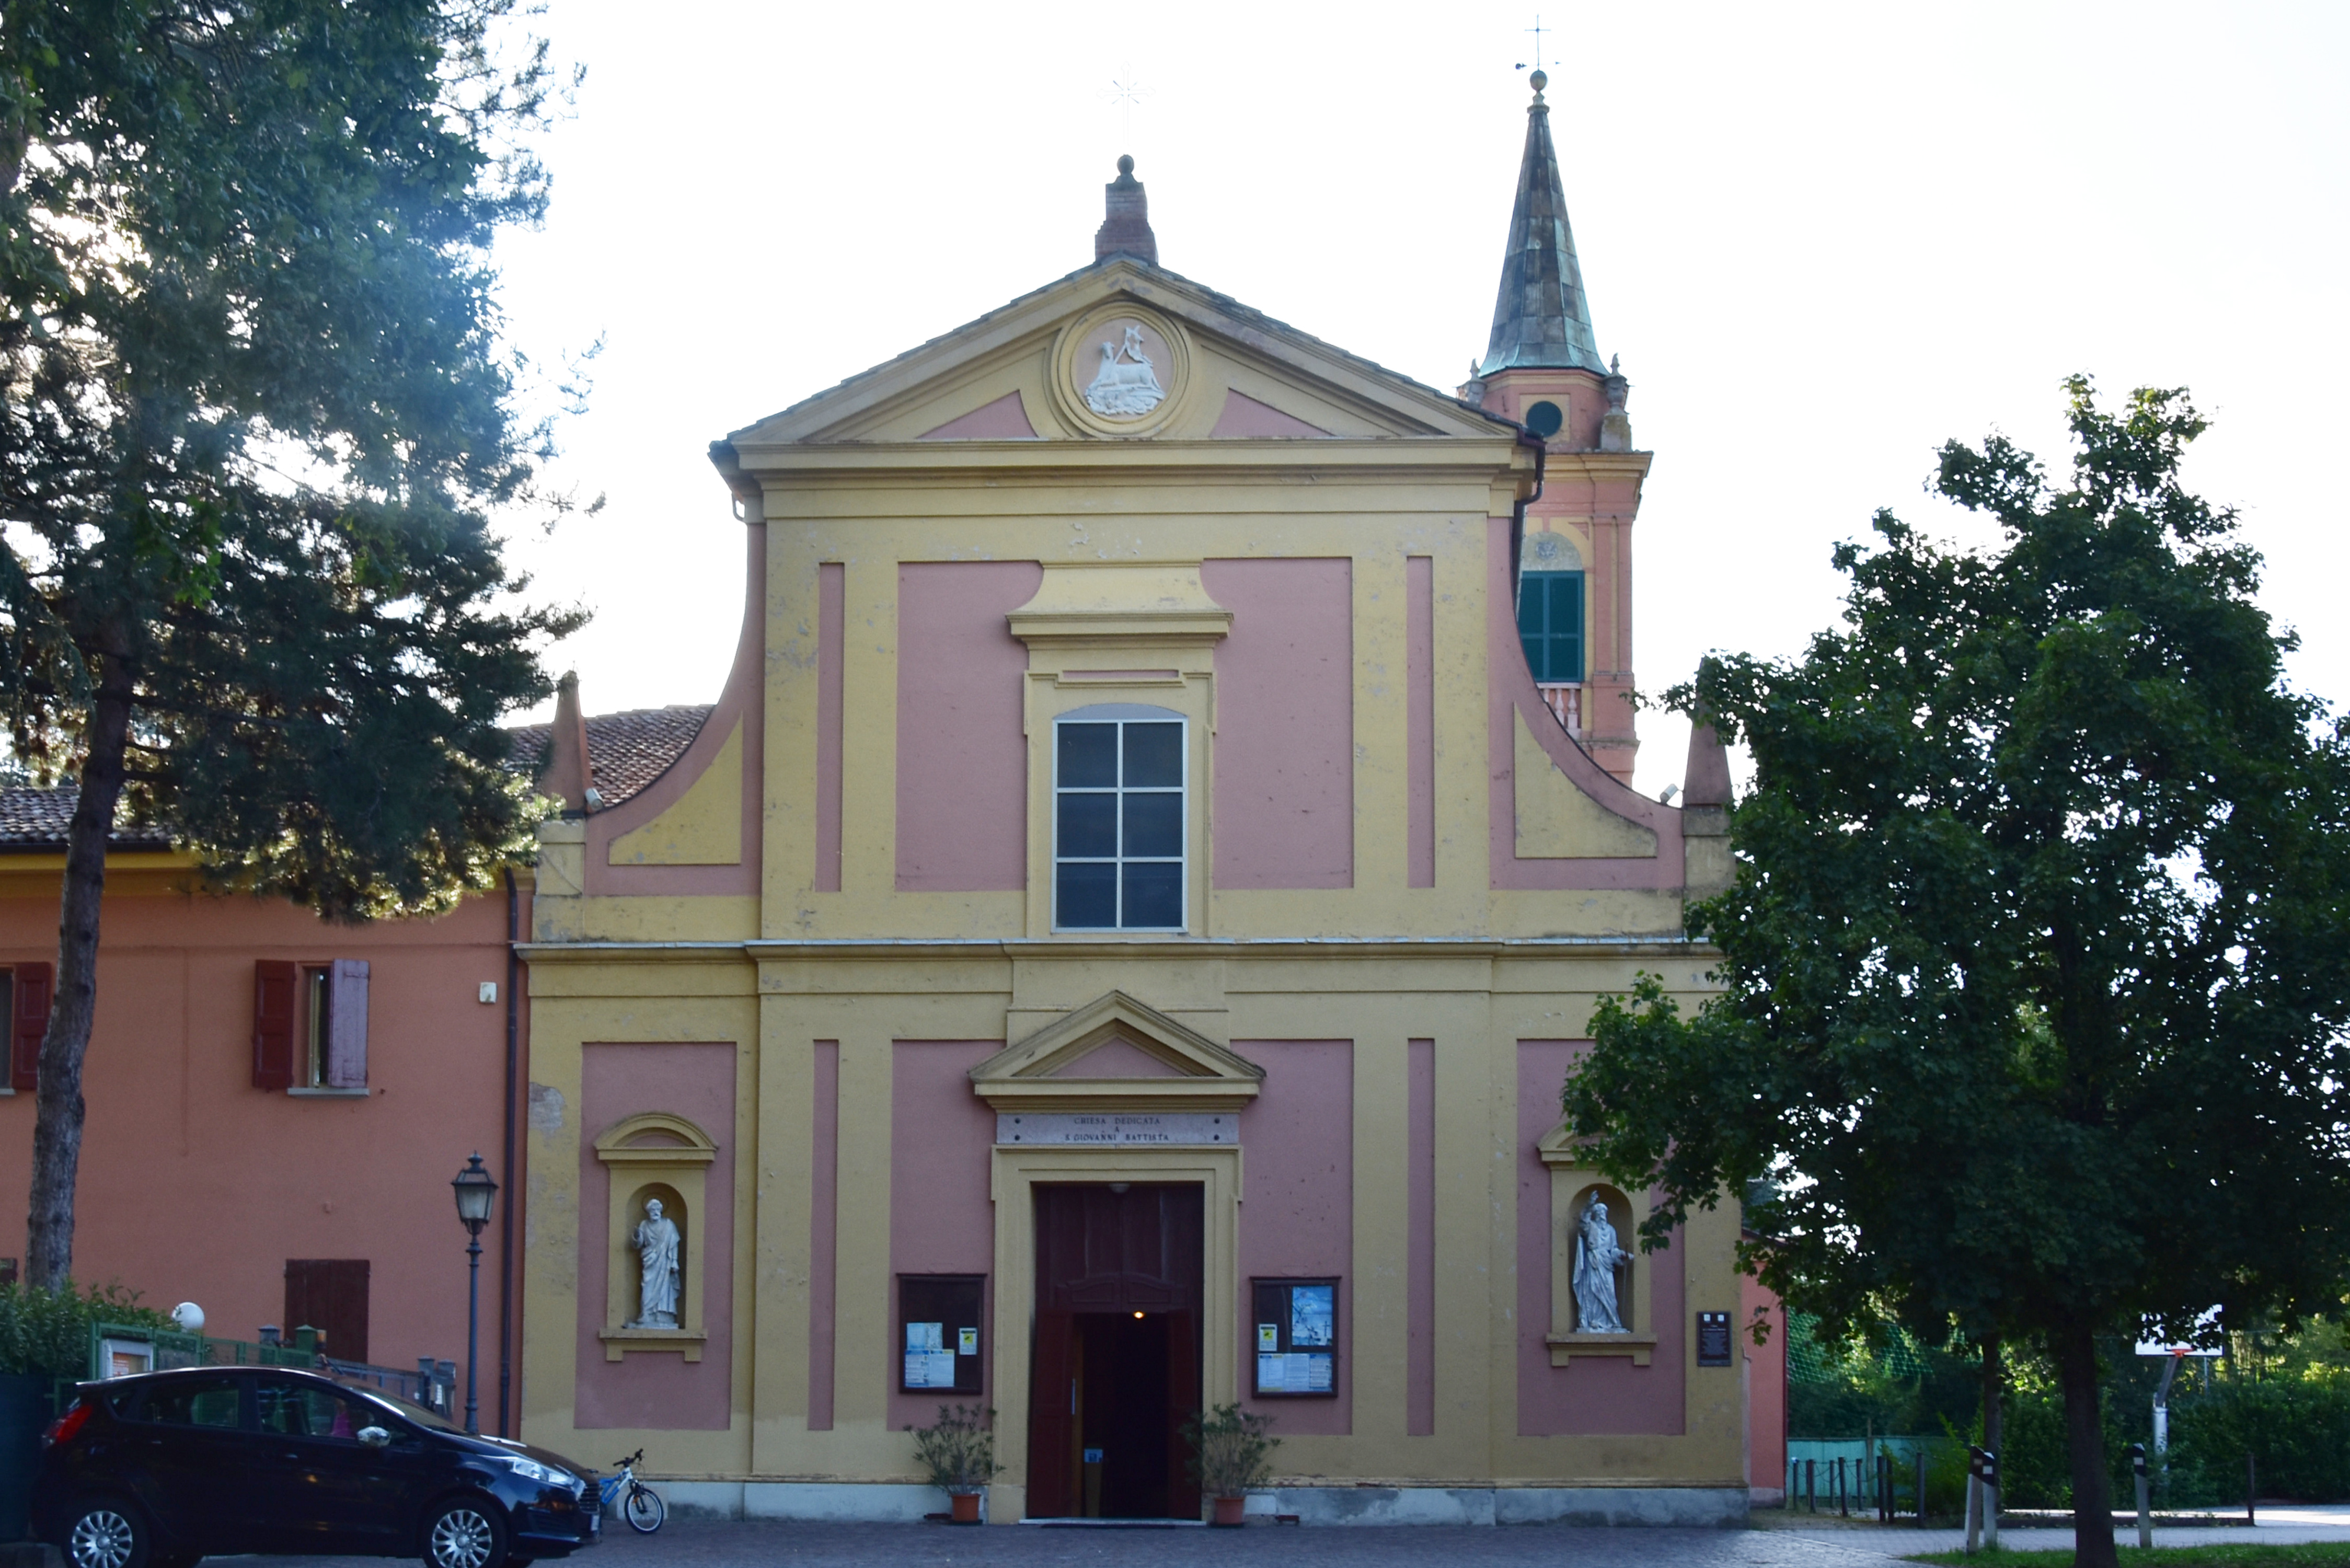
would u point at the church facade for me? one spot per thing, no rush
(1115, 946)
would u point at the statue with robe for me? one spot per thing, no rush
(656, 1241)
(1597, 1255)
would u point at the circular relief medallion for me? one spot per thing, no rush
(1121, 371)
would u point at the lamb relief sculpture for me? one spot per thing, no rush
(1597, 1256)
(1126, 385)
(657, 1243)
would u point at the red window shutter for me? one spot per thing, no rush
(347, 1020)
(28, 1023)
(276, 987)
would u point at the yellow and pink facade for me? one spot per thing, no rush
(1115, 946)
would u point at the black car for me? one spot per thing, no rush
(157, 1470)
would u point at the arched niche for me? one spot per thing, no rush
(1574, 1184)
(654, 1155)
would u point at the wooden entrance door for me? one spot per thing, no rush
(1135, 1256)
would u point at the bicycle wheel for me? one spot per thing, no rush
(645, 1511)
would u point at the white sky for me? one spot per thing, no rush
(1824, 239)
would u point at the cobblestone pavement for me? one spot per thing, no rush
(1784, 1543)
(697, 1544)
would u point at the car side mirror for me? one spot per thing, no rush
(375, 1437)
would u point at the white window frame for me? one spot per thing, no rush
(1122, 714)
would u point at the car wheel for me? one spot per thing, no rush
(467, 1534)
(105, 1533)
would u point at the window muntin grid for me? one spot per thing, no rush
(1118, 823)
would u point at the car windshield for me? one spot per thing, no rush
(406, 1410)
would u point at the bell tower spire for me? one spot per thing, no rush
(1540, 319)
(1543, 369)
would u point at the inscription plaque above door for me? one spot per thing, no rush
(1117, 1129)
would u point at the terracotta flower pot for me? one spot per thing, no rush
(966, 1507)
(1230, 1510)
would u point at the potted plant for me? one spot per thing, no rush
(958, 1452)
(1231, 1452)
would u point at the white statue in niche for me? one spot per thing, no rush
(656, 1241)
(1597, 1256)
(1126, 385)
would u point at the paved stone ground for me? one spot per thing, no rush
(700, 1545)
(1782, 1541)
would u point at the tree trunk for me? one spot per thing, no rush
(58, 1114)
(2085, 1437)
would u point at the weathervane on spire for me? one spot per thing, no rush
(1537, 30)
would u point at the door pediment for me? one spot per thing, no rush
(1115, 1054)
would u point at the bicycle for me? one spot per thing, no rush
(644, 1509)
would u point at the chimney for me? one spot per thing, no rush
(566, 774)
(1125, 228)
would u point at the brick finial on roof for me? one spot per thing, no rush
(1126, 227)
(566, 775)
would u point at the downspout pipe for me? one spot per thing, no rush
(1518, 512)
(507, 1167)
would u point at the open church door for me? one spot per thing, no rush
(1052, 1417)
(1182, 1405)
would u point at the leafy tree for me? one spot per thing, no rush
(255, 418)
(2034, 1005)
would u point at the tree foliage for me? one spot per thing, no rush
(2032, 1012)
(257, 420)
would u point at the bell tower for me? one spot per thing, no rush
(1542, 367)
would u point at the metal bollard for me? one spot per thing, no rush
(1812, 1483)
(2144, 1517)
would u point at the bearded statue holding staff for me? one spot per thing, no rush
(656, 1241)
(1597, 1256)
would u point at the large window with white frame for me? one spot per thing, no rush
(1119, 819)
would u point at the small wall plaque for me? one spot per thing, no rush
(1713, 1339)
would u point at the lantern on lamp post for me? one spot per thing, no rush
(475, 1192)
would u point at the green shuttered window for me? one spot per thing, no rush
(1550, 624)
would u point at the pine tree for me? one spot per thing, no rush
(257, 420)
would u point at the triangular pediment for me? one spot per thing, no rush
(1116, 1053)
(1021, 373)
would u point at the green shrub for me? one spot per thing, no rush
(957, 1452)
(1230, 1450)
(48, 1332)
(2296, 1429)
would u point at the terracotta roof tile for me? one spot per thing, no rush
(626, 751)
(37, 819)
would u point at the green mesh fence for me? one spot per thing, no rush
(1810, 1361)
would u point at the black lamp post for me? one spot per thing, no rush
(475, 1192)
